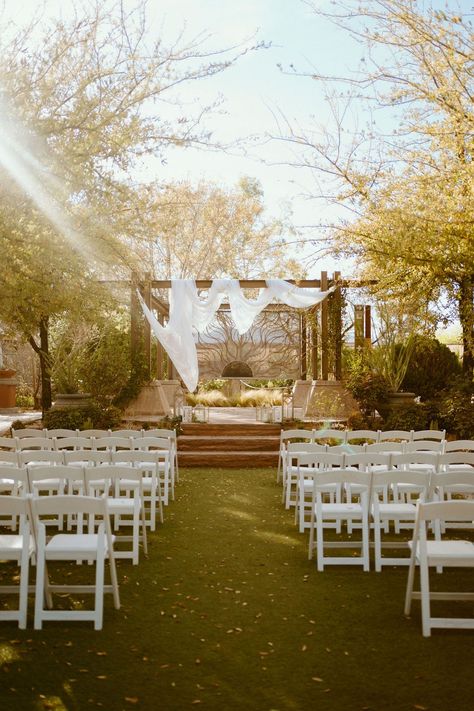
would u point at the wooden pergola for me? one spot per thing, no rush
(314, 342)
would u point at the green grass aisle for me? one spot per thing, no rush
(228, 613)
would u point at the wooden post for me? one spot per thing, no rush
(134, 319)
(358, 326)
(314, 343)
(159, 353)
(147, 329)
(368, 326)
(304, 348)
(337, 324)
(324, 329)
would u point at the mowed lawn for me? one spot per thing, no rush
(228, 613)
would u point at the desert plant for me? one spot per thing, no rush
(212, 398)
(367, 387)
(258, 398)
(390, 359)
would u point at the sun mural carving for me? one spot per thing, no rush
(269, 349)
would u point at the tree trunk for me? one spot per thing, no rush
(45, 362)
(466, 317)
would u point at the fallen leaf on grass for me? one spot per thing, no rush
(131, 699)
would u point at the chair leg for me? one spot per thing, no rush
(24, 574)
(425, 599)
(40, 580)
(99, 581)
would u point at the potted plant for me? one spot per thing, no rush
(390, 360)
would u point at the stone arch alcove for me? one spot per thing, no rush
(237, 369)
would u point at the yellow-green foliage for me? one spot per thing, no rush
(213, 398)
(249, 398)
(257, 398)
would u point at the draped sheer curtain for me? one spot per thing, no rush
(189, 310)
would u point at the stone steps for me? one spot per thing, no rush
(229, 445)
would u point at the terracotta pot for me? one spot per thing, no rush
(7, 389)
(7, 373)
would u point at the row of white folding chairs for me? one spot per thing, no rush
(31, 543)
(154, 466)
(293, 448)
(304, 463)
(322, 436)
(60, 433)
(29, 449)
(372, 494)
(121, 484)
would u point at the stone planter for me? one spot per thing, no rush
(396, 402)
(8, 384)
(72, 401)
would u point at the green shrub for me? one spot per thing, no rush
(431, 368)
(167, 423)
(92, 416)
(456, 410)
(415, 417)
(370, 389)
(24, 401)
(208, 385)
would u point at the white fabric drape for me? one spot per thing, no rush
(188, 310)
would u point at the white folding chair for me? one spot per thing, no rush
(455, 483)
(74, 442)
(60, 432)
(287, 436)
(40, 457)
(9, 459)
(13, 481)
(307, 465)
(87, 457)
(456, 460)
(22, 433)
(395, 435)
(123, 489)
(34, 444)
(290, 468)
(329, 436)
(149, 464)
(171, 435)
(125, 433)
(9, 444)
(55, 481)
(387, 509)
(154, 444)
(437, 435)
(113, 444)
(92, 546)
(459, 445)
(425, 445)
(362, 436)
(354, 511)
(440, 554)
(17, 547)
(96, 434)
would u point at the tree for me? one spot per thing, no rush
(208, 231)
(81, 104)
(408, 192)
